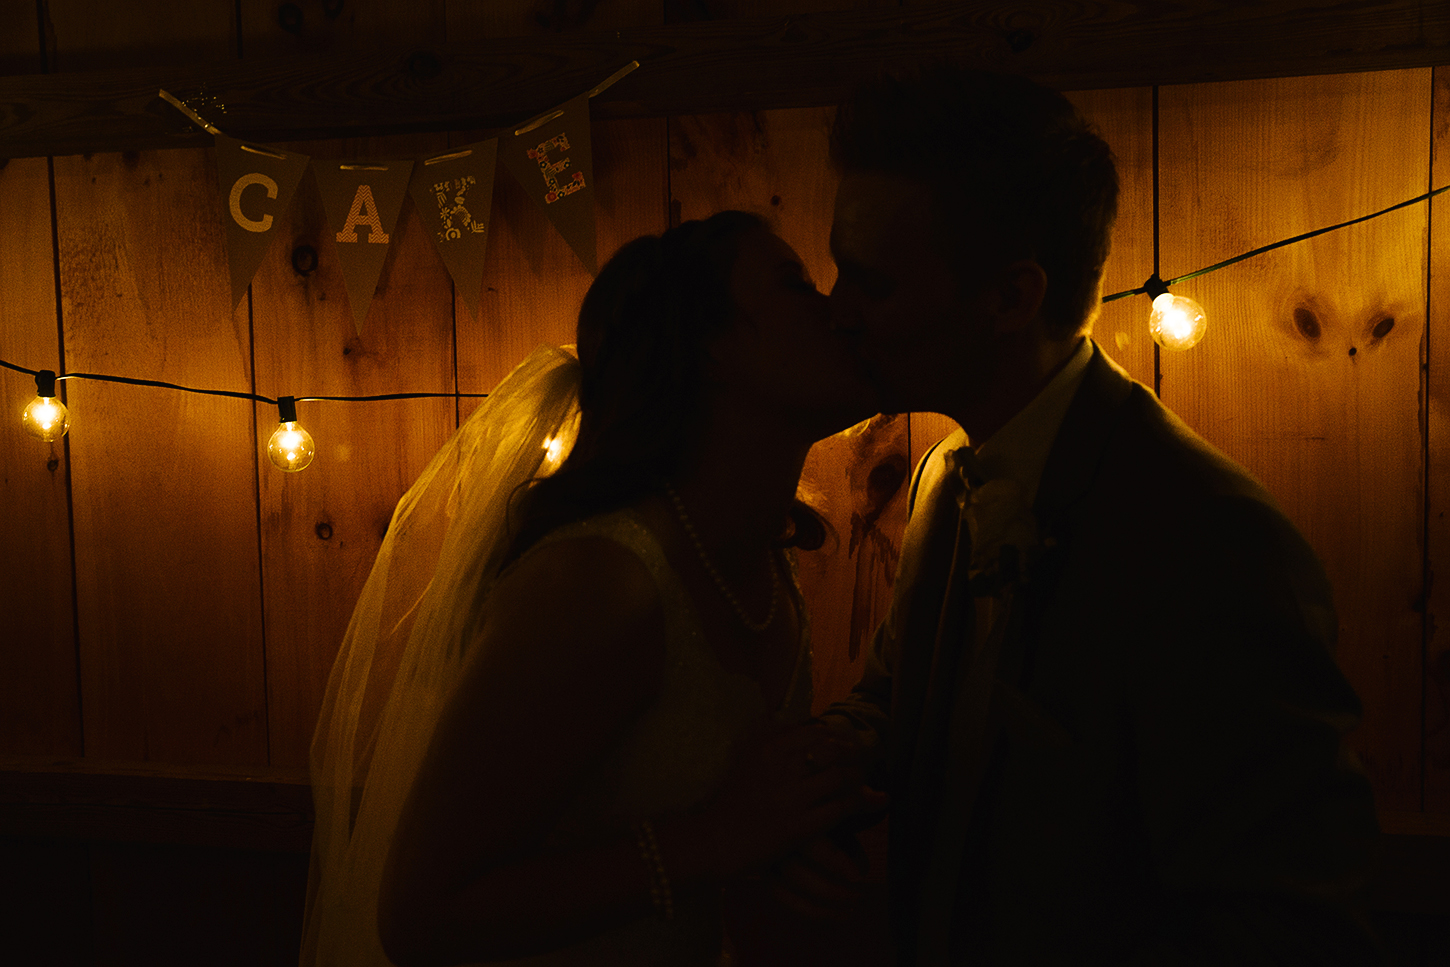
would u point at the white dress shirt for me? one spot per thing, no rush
(1018, 451)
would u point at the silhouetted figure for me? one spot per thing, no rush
(1104, 705)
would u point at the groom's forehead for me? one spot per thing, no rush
(877, 211)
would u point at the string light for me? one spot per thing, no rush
(291, 447)
(1176, 321)
(286, 442)
(45, 417)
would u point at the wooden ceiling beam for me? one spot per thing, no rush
(795, 61)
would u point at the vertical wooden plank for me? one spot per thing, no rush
(162, 481)
(533, 282)
(1437, 382)
(322, 526)
(39, 703)
(1302, 377)
(772, 163)
(858, 481)
(1124, 118)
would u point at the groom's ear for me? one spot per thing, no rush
(1015, 294)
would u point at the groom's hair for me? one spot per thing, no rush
(1014, 171)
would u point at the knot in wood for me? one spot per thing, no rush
(1019, 40)
(289, 18)
(424, 65)
(304, 260)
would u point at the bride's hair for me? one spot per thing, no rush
(645, 328)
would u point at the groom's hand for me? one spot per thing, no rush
(824, 880)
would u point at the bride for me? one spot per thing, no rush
(574, 698)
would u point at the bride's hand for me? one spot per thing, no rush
(796, 784)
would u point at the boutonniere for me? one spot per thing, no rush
(1005, 537)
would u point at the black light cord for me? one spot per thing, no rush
(1269, 248)
(241, 396)
(1154, 284)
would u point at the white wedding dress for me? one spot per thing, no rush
(404, 649)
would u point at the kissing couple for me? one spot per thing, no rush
(1103, 712)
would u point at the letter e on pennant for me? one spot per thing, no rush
(553, 171)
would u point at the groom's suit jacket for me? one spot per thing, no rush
(1163, 776)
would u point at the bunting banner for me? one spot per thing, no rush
(362, 201)
(453, 194)
(552, 158)
(257, 184)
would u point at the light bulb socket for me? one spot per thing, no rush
(45, 383)
(1154, 287)
(287, 409)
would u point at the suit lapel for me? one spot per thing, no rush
(1077, 450)
(1069, 473)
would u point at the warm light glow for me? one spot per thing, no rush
(291, 447)
(46, 418)
(1177, 322)
(553, 451)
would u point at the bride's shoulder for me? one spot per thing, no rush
(576, 564)
(577, 605)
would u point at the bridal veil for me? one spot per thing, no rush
(405, 646)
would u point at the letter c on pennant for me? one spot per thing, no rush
(243, 183)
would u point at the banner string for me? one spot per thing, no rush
(602, 86)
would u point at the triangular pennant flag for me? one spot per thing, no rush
(256, 182)
(453, 193)
(553, 160)
(362, 200)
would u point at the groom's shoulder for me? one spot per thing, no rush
(1199, 501)
(931, 467)
(1156, 453)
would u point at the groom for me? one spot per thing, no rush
(1104, 703)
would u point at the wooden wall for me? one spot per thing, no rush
(167, 596)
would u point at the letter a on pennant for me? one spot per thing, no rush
(256, 183)
(363, 213)
(553, 160)
(362, 200)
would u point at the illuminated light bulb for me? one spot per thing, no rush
(46, 417)
(1177, 322)
(291, 447)
(557, 447)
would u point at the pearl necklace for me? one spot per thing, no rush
(754, 626)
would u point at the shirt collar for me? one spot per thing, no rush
(1018, 451)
